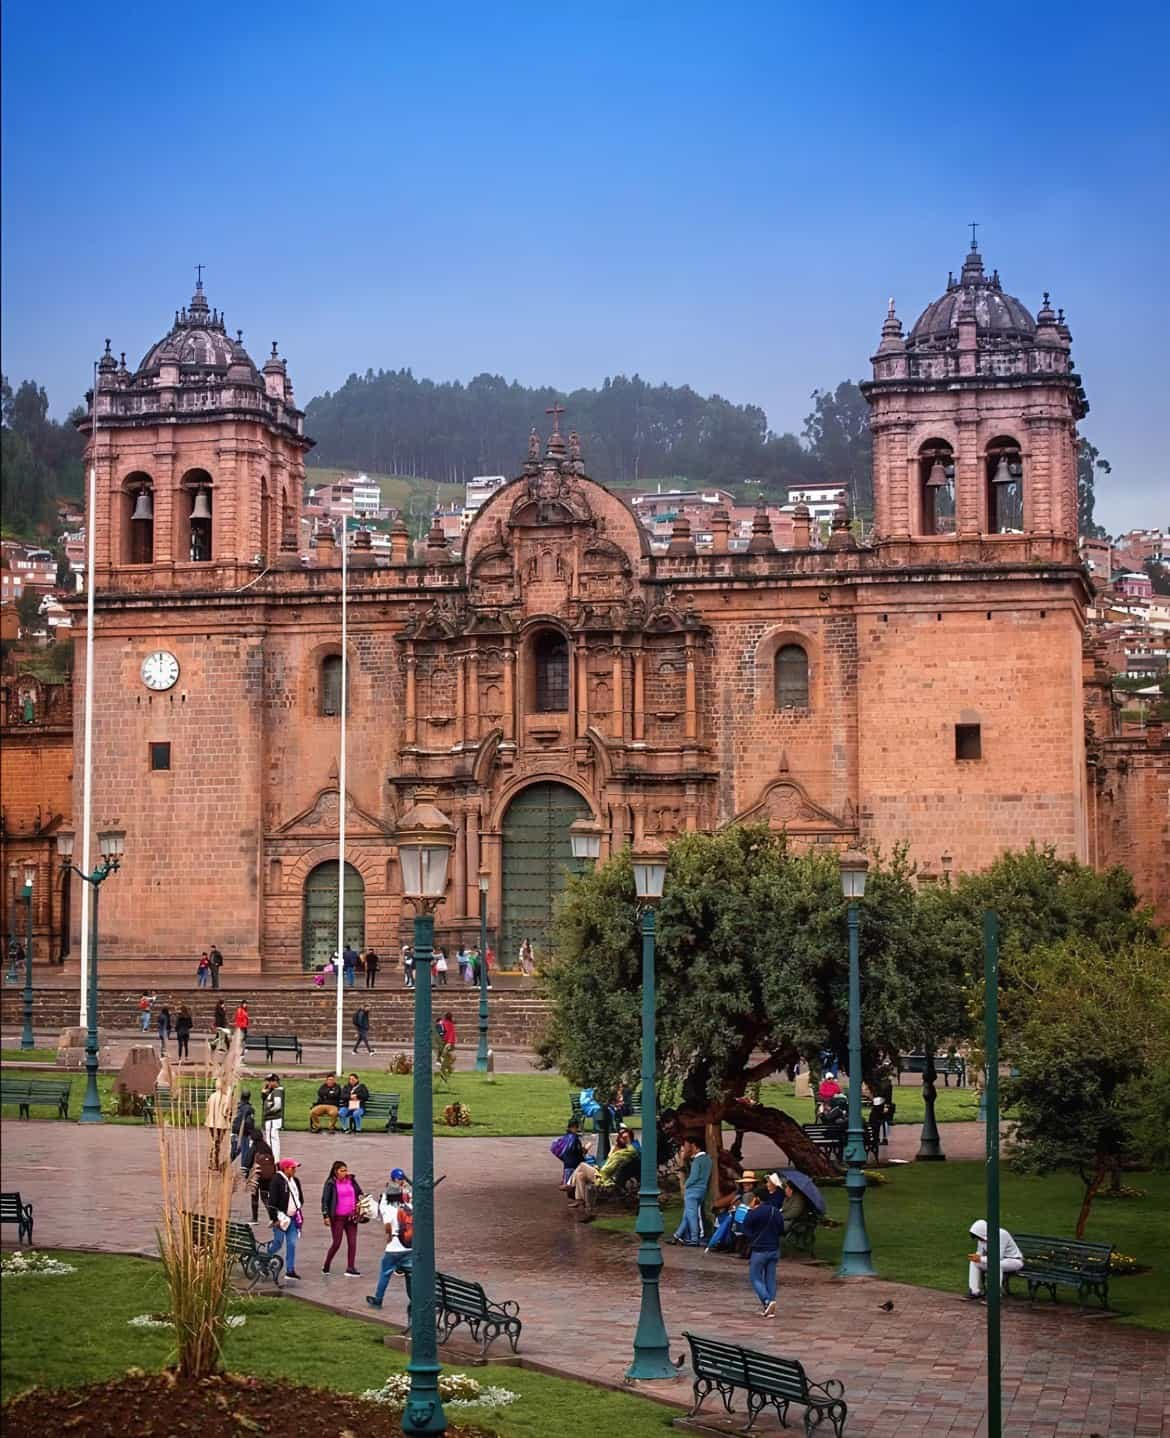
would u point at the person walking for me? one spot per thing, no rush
(407, 966)
(286, 1203)
(272, 1112)
(220, 1019)
(463, 963)
(241, 1019)
(164, 1028)
(398, 1223)
(203, 970)
(354, 1097)
(446, 1028)
(144, 1004)
(372, 962)
(763, 1227)
(339, 1208)
(349, 965)
(689, 1230)
(215, 961)
(441, 966)
(261, 1169)
(245, 1118)
(361, 1022)
(218, 1121)
(183, 1026)
(327, 1105)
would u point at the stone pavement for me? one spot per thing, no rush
(916, 1372)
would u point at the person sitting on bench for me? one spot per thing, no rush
(586, 1177)
(1011, 1260)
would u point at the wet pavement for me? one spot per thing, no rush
(918, 1370)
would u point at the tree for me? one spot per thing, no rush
(1159, 576)
(752, 974)
(1082, 1027)
(28, 608)
(839, 439)
(39, 458)
(1089, 465)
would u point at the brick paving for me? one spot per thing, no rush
(915, 1371)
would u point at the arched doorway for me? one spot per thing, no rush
(319, 925)
(537, 855)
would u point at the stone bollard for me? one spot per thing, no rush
(71, 1048)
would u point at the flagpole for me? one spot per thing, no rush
(87, 733)
(341, 803)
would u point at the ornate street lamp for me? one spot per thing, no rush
(585, 837)
(14, 880)
(855, 1251)
(26, 1034)
(111, 844)
(651, 1343)
(425, 840)
(481, 1052)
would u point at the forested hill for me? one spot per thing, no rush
(389, 422)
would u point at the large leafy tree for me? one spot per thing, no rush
(838, 436)
(752, 974)
(1090, 466)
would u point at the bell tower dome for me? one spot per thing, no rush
(974, 416)
(200, 459)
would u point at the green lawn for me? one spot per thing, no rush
(87, 1314)
(504, 1105)
(29, 1056)
(918, 1225)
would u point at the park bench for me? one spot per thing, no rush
(458, 1301)
(828, 1137)
(275, 1043)
(241, 1247)
(943, 1066)
(12, 1210)
(1051, 1262)
(26, 1092)
(188, 1100)
(767, 1380)
(801, 1233)
(385, 1105)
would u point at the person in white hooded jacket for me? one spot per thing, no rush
(1011, 1260)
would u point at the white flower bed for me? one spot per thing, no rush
(28, 1263)
(156, 1320)
(457, 1390)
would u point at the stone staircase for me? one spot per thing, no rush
(518, 1018)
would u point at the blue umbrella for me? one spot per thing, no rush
(803, 1184)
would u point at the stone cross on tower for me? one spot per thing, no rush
(199, 276)
(974, 226)
(556, 411)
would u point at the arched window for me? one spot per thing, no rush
(1005, 487)
(550, 653)
(329, 686)
(936, 477)
(138, 519)
(791, 675)
(195, 522)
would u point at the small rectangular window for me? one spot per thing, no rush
(968, 741)
(160, 757)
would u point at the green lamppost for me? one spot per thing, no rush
(14, 878)
(651, 1343)
(481, 1052)
(26, 1034)
(425, 840)
(855, 1251)
(112, 844)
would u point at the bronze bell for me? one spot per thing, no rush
(143, 507)
(1003, 473)
(938, 475)
(201, 509)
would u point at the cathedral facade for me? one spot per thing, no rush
(923, 688)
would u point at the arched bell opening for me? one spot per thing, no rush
(137, 520)
(936, 487)
(195, 528)
(1004, 467)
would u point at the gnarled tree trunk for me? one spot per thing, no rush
(774, 1123)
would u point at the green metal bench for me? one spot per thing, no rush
(241, 1247)
(26, 1092)
(1054, 1262)
(14, 1210)
(768, 1381)
(801, 1233)
(944, 1067)
(385, 1105)
(189, 1100)
(274, 1044)
(828, 1137)
(459, 1301)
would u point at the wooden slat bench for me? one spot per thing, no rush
(459, 1301)
(385, 1105)
(1054, 1262)
(828, 1137)
(241, 1247)
(14, 1210)
(44, 1093)
(274, 1044)
(767, 1380)
(944, 1067)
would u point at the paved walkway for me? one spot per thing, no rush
(916, 1372)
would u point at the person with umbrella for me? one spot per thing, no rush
(800, 1194)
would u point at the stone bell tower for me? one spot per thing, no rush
(974, 418)
(200, 460)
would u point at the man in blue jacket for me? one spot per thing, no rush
(694, 1191)
(763, 1227)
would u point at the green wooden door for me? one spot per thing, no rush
(319, 927)
(537, 856)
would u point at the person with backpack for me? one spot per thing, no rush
(570, 1149)
(398, 1220)
(286, 1211)
(361, 1022)
(763, 1227)
(261, 1170)
(244, 1119)
(215, 960)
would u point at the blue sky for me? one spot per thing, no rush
(723, 195)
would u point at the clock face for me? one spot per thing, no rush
(160, 670)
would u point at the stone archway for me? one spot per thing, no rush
(537, 855)
(319, 919)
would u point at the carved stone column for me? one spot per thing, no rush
(411, 711)
(581, 682)
(509, 692)
(471, 734)
(692, 717)
(619, 705)
(639, 693)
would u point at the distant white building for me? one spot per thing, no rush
(479, 488)
(821, 499)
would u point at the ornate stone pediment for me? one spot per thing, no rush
(785, 805)
(322, 818)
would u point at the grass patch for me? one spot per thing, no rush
(87, 1315)
(954, 1105)
(918, 1223)
(29, 1056)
